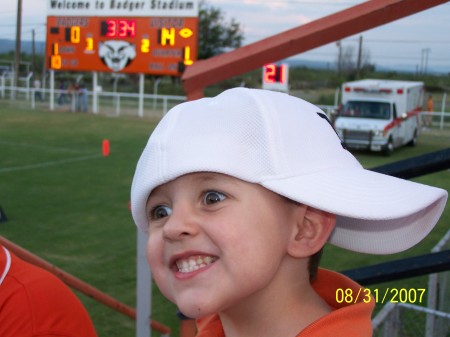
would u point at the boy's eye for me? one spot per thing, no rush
(160, 212)
(213, 197)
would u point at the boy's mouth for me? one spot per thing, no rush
(193, 263)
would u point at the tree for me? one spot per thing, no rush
(216, 35)
(347, 64)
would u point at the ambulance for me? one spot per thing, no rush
(379, 115)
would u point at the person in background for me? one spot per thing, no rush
(82, 97)
(37, 89)
(35, 303)
(62, 98)
(430, 109)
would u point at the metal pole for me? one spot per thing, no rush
(444, 99)
(17, 56)
(427, 52)
(336, 96)
(358, 64)
(143, 289)
(155, 91)
(141, 95)
(339, 65)
(165, 105)
(3, 83)
(33, 99)
(52, 90)
(94, 92)
(421, 61)
(33, 51)
(117, 104)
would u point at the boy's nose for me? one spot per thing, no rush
(181, 224)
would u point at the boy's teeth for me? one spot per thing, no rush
(194, 263)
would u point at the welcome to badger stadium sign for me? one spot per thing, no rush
(126, 7)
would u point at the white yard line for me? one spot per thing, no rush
(49, 163)
(41, 147)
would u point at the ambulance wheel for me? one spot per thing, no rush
(413, 141)
(388, 148)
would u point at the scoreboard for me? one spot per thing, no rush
(276, 77)
(149, 37)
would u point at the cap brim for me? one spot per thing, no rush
(376, 213)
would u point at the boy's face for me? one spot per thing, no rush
(216, 242)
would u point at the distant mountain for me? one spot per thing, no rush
(7, 46)
(310, 64)
(401, 68)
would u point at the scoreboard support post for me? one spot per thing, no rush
(141, 95)
(94, 92)
(52, 90)
(11, 88)
(155, 92)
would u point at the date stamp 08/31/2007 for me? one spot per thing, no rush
(393, 295)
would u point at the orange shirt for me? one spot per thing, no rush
(34, 302)
(346, 320)
(430, 105)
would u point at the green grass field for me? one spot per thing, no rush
(68, 204)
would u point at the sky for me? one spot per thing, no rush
(420, 42)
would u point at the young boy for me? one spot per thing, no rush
(239, 193)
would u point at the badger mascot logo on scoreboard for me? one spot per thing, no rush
(116, 55)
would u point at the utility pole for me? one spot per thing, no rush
(339, 62)
(18, 34)
(424, 61)
(358, 64)
(421, 62)
(33, 52)
(427, 52)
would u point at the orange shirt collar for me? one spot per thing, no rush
(346, 319)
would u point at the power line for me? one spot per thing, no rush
(400, 41)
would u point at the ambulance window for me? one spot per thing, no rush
(366, 109)
(395, 111)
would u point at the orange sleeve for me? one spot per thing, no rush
(34, 302)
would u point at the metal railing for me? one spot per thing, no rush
(107, 103)
(80, 285)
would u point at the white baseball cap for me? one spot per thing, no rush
(282, 143)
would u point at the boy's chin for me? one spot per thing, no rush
(195, 311)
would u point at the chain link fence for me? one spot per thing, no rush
(409, 320)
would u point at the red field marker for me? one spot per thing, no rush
(105, 147)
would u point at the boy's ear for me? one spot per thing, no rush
(311, 231)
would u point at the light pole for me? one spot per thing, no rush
(427, 52)
(18, 34)
(424, 61)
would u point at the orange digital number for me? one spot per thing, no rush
(269, 76)
(145, 45)
(89, 44)
(55, 62)
(167, 36)
(187, 56)
(274, 73)
(75, 34)
(123, 28)
(55, 49)
(112, 28)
